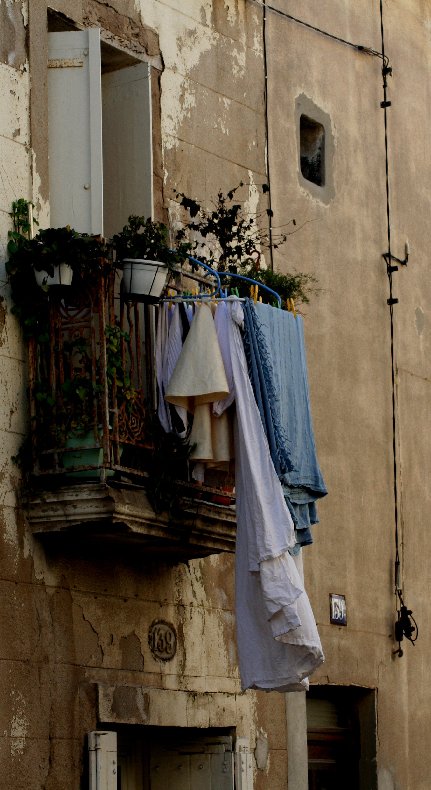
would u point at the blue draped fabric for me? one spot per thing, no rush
(266, 395)
(275, 350)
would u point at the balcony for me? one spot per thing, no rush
(98, 459)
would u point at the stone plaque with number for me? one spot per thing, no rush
(338, 609)
(162, 639)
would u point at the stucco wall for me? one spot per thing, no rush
(75, 627)
(76, 649)
(348, 344)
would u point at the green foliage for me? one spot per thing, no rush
(299, 286)
(50, 247)
(21, 218)
(75, 405)
(146, 239)
(116, 373)
(231, 240)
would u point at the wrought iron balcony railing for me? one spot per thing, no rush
(93, 448)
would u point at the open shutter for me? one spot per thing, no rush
(75, 130)
(127, 145)
(102, 750)
(243, 765)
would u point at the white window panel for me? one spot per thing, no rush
(75, 130)
(102, 749)
(243, 765)
(127, 145)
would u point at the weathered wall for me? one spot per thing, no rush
(74, 629)
(348, 343)
(76, 648)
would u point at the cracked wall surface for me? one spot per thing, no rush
(74, 650)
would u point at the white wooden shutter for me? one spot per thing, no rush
(243, 765)
(75, 130)
(127, 145)
(102, 749)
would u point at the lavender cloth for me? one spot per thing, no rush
(277, 638)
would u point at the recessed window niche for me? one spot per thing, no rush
(315, 149)
(312, 154)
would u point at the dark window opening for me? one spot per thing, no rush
(312, 153)
(158, 758)
(341, 734)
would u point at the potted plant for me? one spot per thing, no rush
(52, 255)
(143, 250)
(229, 239)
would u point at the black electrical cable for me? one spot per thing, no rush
(386, 70)
(268, 173)
(388, 258)
(292, 18)
(405, 625)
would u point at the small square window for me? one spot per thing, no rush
(312, 150)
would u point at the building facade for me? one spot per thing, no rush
(329, 107)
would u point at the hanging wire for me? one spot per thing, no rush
(267, 162)
(359, 47)
(391, 302)
(405, 625)
(404, 615)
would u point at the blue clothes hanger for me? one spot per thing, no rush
(219, 292)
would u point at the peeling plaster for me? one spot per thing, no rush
(178, 100)
(19, 724)
(41, 205)
(8, 524)
(239, 62)
(232, 12)
(178, 92)
(236, 16)
(12, 33)
(89, 640)
(131, 652)
(386, 781)
(257, 42)
(419, 320)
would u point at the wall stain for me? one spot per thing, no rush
(131, 653)
(130, 704)
(138, 36)
(3, 313)
(87, 642)
(419, 320)
(12, 35)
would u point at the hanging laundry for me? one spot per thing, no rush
(172, 328)
(199, 379)
(264, 388)
(274, 340)
(277, 638)
(160, 351)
